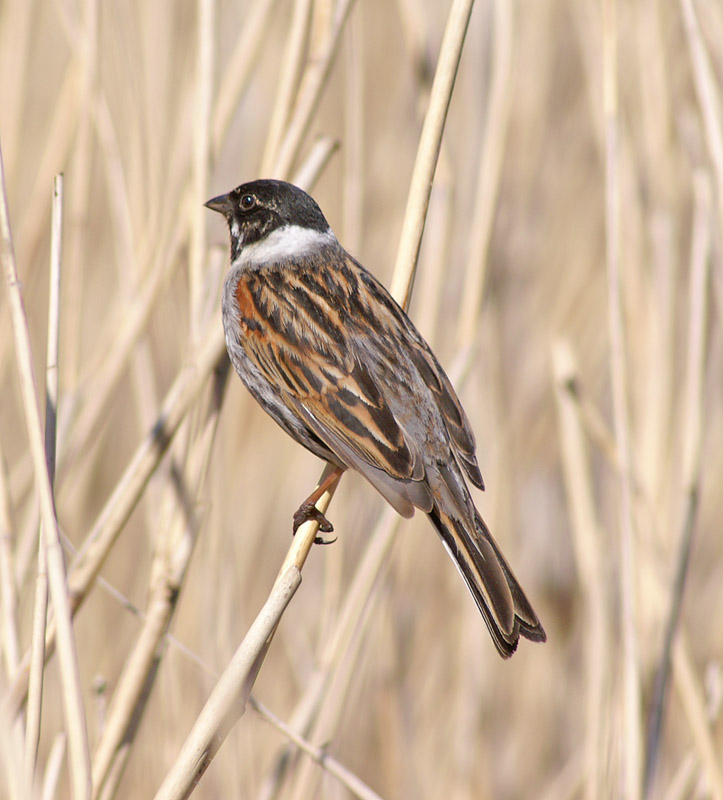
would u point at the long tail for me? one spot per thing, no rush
(490, 580)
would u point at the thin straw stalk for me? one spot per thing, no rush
(632, 726)
(37, 653)
(70, 678)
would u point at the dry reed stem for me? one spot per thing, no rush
(11, 757)
(201, 156)
(129, 488)
(632, 726)
(155, 630)
(420, 185)
(313, 82)
(119, 201)
(708, 98)
(229, 696)
(119, 204)
(26, 538)
(693, 700)
(489, 173)
(54, 767)
(141, 663)
(343, 674)
(318, 754)
(681, 785)
(291, 71)
(104, 376)
(343, 654)
(53, 349)
(72, 697)
(9, 636)
(694, 414)
(337, 643)
(436, 250)
(590, 565)
(174, 548)
(354, 134)
(96, 547)
(658, 232)
(40, 611)
(660, 393)
(316, 161)
(127, 261)
(236, 73)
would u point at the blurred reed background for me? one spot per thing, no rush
(600, 434)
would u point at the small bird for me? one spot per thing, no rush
(338, 364)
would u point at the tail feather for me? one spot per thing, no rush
(499, 597)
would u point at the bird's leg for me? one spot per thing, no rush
(308, 510)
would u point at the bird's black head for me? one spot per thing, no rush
(257, 209)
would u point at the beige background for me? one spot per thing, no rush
(419, 705)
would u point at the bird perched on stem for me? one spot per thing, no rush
(330, 355)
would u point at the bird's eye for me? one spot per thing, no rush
(247, 202)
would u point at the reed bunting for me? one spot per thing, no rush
(329, 354)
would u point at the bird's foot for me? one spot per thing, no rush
(307, 512)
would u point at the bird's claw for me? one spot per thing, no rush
(322, 540)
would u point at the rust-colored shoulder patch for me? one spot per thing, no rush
(246, 307)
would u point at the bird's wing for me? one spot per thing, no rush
(455, 420)
(396, 332)
(299, 330)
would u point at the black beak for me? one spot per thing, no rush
(222, 204)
